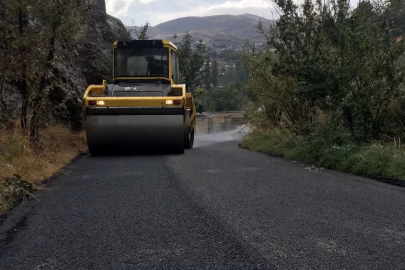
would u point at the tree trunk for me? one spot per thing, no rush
(38, 102)
(23, 80)
(24, 105)
(2, 79)
(349, 118)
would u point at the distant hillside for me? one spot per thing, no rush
(212, 29)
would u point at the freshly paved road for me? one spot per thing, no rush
(215, 207)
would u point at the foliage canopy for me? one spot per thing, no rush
(325, 64)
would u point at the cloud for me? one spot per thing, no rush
(120, 8)
(256, 7)
(240, 5)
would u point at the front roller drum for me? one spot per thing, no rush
(134, 133)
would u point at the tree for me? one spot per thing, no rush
(6, 39)
(39, 40)
(61, 30)
(139, 32)
(199, 96)
(228, 98)
(191, 61)
(214, 75)
(241, 73)
(16, 48)
(345, 63)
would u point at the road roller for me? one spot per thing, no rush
(145, 107)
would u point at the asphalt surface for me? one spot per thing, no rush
(215, 207)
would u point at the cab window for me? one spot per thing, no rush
(175, 72)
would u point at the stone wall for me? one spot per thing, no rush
(220, 122)
(211, 123)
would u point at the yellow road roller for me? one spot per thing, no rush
(146, 106)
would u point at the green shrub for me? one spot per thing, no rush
(374, 159)
(14, 188)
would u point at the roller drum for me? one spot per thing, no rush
(135, 132)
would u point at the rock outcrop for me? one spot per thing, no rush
(92, 64)
(99, 5)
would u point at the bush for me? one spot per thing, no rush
(14, 188)
(374, 159)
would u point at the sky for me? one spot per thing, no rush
(158, 11)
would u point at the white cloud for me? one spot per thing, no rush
(120, 8)
(240, 5)
(257, 7)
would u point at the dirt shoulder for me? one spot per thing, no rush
(23, 165)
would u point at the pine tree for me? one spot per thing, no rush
(191, 64)
(191, 61)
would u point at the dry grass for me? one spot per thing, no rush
(35, 162)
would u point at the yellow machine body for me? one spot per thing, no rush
(145, 107)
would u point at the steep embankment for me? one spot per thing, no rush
(92, 65)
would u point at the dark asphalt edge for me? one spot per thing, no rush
(18, 202)
(7, 236)
(382, 179)
(10, 231)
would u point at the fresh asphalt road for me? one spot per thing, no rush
(215, 207)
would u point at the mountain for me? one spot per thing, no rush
(212, 29)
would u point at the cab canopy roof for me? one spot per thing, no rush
(158, 43)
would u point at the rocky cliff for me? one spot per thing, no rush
(92, 64)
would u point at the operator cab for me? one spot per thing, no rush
(144, 68)
(145, 59)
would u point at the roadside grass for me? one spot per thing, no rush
(371, 160)
(24, 165)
